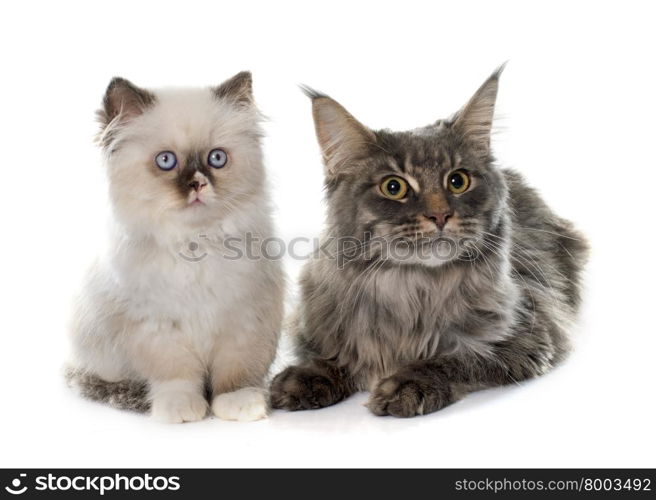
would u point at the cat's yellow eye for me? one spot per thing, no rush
(394, 188)
(458, 182)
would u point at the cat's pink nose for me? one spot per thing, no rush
(439, 218)
(197, 186)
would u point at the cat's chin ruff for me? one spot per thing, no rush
(429, 262)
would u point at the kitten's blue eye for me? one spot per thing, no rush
(217, 158)
(166, 160)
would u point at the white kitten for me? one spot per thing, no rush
(165, 317)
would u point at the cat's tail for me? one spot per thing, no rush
(124, 395)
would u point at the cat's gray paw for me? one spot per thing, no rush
(403, 395)
(302, 388)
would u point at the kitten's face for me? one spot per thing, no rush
(420, 197)
(181, 159)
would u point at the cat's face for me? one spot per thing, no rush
(181, 159)
(420, 197)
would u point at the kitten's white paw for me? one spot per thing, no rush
(244, 405)
(175, 407)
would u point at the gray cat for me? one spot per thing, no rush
(440, 274)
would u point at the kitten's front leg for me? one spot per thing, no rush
(176, 401)
(314, 385)
(238, 369)
(159, 353)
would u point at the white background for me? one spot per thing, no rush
(577, 118)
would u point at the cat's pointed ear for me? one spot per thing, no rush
(238, 89)
(474, 120)
(123, 100)
(342, 138)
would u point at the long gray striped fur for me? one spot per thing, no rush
(421, 334)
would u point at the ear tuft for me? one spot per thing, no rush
(238, 89)
(474, 120)
(310, 92)
(342, 138)
(125, 100)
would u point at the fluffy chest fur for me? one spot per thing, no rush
(159, 279)
(375, 319)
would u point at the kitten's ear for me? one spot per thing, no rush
(125, 100)
(342, 138)
(238, 89)
(474, 120)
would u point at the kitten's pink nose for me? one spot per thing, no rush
(197, 186)
(439, 218)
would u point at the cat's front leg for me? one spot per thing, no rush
(417, 389)
(176, 401)
(160, 353)
(426, 386)
(239, 366)
(313, 385)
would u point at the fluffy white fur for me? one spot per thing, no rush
(244, 405)
(148, 313)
